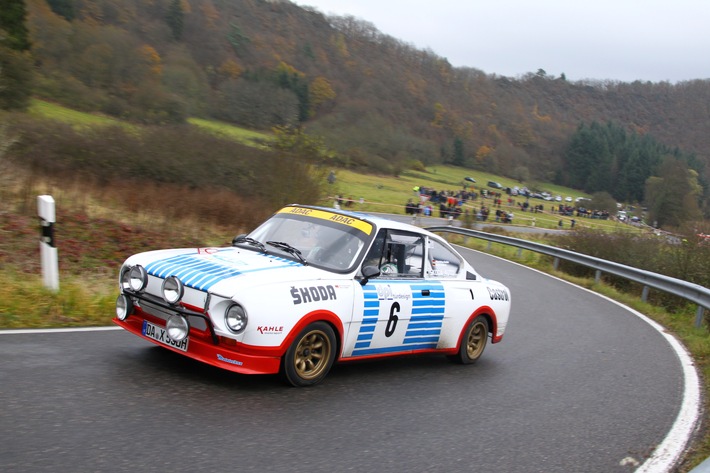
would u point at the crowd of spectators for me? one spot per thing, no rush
(461, 204)
(451, 204)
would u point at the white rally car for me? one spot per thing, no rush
(309, 287)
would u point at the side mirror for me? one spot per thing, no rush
(238, 239)
(369, 272)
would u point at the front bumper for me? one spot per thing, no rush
(203, 346)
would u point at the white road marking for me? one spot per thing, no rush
(57, 330)
(670, 450)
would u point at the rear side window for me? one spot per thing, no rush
(443, 262)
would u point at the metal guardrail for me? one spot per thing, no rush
(687, 290)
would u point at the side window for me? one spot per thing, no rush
(442, 262)
(397, 254)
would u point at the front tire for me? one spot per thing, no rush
(310, 357)
(473, 342)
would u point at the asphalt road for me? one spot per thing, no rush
(578, 385)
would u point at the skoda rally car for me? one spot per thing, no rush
(309, 287)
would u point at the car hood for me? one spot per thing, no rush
(223, 270)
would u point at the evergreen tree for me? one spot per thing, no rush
(459, 158)
(608, 158)
(632, 177)
(63, 8)
(13, 30)
(290, 79)
(175, 19)
(15, 63)
(578, 159)
(602, 157)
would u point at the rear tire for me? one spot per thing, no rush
(473, 342)
(311, 355)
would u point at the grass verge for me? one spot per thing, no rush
(82, 301)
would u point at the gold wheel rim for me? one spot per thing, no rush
(312, 354)
(476, 341)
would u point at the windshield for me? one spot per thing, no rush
(324, 239)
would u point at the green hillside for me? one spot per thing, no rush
(377, 103)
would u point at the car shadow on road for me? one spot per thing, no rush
(156, 365)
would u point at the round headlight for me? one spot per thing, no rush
(124, 280)
(178, 327)
(137, 278)
(124, 307)
(172, 290)
(236, 318)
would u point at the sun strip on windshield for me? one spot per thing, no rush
(364, 227)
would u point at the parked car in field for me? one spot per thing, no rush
(495, 185)
(310, 287)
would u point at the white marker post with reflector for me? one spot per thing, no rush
(47, 246)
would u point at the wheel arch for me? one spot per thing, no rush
(316, 316)
(490, 316)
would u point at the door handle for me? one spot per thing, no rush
(425, 292)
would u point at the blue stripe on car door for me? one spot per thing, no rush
(423, 329)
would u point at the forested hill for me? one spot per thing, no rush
(378, 101)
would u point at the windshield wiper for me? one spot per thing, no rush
(249, 240)
(288, 249)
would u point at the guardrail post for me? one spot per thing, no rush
(556, 263)
(644, 294)
(597, 276)
(520, 252)
(699, 316)
(47, 246)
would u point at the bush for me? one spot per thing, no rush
(15, 79)
(69, 90)
(188, 161)
(682, 258)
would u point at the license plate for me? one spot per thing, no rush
(160, 334)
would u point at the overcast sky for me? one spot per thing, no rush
(623, 40)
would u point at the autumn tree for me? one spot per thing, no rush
(296, 141)
(256, 104)
(672, 196)
(321, 92)
(230, 69)
(602, 201)
(183, 77)
(521, 173)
